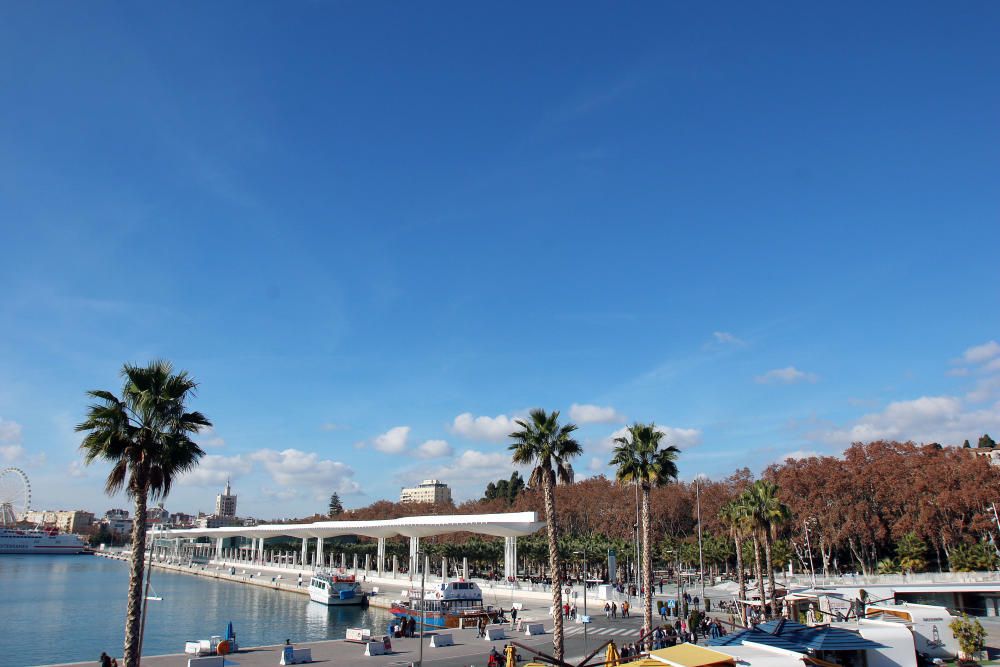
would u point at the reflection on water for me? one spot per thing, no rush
(77, 604)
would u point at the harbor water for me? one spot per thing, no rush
(58, 609)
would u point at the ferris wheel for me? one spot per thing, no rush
(15, 495)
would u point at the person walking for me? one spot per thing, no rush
(513, 616)
(607, 610)
(614, 610)
(105, 660)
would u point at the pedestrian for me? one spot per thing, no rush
(661, 586)
(607, 610)
(413, 626)
(565, 609)
(105, 659)
(513, 616)
(114, 662)
(614, 610)
(663, 613)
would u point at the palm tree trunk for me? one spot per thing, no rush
(770, 574)
(133, 614)
(647, 571)
(740, 576)
(557, 603)
(759, 571)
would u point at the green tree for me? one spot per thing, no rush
(986, 442)
(766, 515)
(911, 553)
(972, 557)
(336, 507)
(505, 489)
(548, 448)
(641, 457)
(971, 635)
(146, 437)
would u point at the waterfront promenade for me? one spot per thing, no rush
(468, 649)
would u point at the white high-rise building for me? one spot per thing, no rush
(225, 503)
(428, 491)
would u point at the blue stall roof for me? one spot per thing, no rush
(800, 638)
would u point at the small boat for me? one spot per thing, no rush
(445, 605)
(335, 589)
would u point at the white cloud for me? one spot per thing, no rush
(681, 438)
(594, 414)
(959, 372)
(214, 470)
(980, 353)
(787, 375)
(295, 468)
(11, 449)
(392, 441)
(597, 465)
(331, 426)
(77, 469)
(209, 438)
(993, 366)
(727, 338)
(491, 429)
(432, 449)
(944, 419)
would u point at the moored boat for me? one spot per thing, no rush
(445, 605)
(39, 541)
(335, 589)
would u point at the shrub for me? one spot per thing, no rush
(970, 633)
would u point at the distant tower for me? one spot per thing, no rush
(225, 503)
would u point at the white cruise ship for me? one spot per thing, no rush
(36, 541)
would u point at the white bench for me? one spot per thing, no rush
(295, 656)
(438, 641)
(207, 661)
(531, 629)
(495, 633)
(374, 648)
(199, 647)
(374, 590)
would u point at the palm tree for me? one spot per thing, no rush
(732, 516)
(766, 514)
(146, 437)
(641, 458)
(745, 515)
(548, 447)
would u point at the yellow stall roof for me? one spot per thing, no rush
(690, 655)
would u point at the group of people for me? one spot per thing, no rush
(497, 658)
(611, 609)
(107, 661)
(407, 627)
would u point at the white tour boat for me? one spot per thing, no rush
(39, 541)
(335, 589)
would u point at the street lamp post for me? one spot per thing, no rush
(585, 618)
(423, 606)
(701, 555)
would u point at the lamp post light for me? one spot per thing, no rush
(586, 619)
(423, 606)
(701, 555)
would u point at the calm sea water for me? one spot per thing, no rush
(70, 608)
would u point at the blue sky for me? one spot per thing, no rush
(366, 227)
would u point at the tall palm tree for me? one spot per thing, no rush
(732, 516)
(548, 447)
(642, 458)
(146, 437)
(767, 514)
(745, 515)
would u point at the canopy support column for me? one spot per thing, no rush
(305, 551)
(320, 559)
(380, 555)
(414, 560)
(510, 557)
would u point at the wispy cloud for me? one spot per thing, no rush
(594, 414)
(726, 338)
(787, 375)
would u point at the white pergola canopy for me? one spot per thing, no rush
(514, 524)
